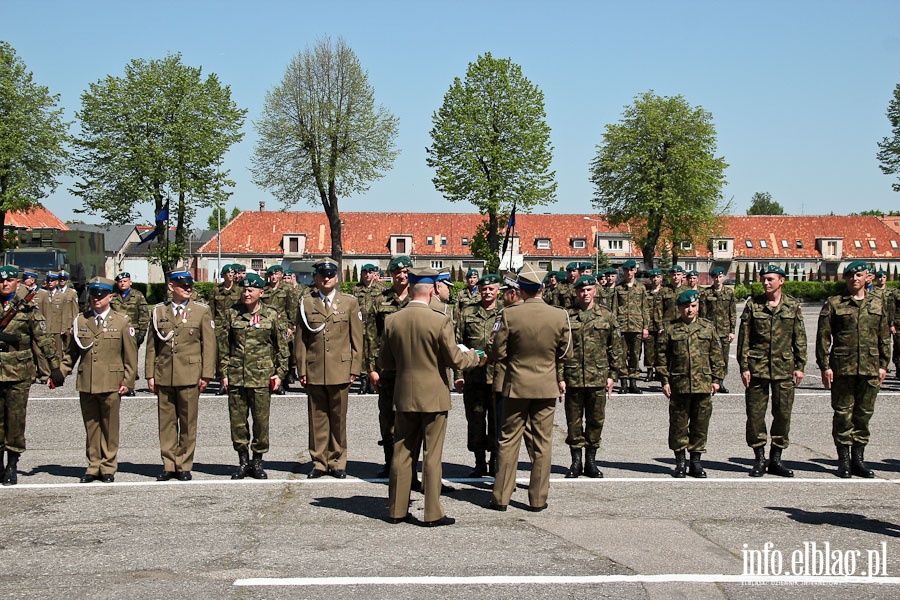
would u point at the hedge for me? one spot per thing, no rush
(804, 290)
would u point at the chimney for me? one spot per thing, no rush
(262, 206)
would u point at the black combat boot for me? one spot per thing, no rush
(759, 465)
(679, 471)
(256, 469)
(590, 467)
(623, 385)
(651, 375)
(632, 386)
(243, 464)
(843, 461)
(857, 465)
(775, 465)
(492, 464)
(696, 469)
(10, 475)
(363, 384)
(480, 469)
(576, 467)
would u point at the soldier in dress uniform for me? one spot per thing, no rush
(690, 365)
(104, 346)
(590, 373)
(60, 307)
(771, 356)
(655, 295)
(469, 294)
(366, 290)
(22, 341)
(29, 284)
(420, 347)
(717, 304)
(532, 341)
(633, 314)
(180, 361)
(440, 300)
(328, 346)
(853, 350)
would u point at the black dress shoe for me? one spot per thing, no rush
(315, 474)
(498, 507)
(384, 472)
(108, 478)
(440, 522)
(338, 473)
(537, 508)
(398, 520)
(185, 476)
(166, 476)
(88, 478)
(415, 485)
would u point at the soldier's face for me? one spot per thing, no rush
(586, 295)
(472, 280)
(510, 296)
(772, 282)
(552, 281)
(489, 293)
(400, 278)
(369, 276)
(719, 280)
(442, 291)
(29, 282)
(571, 276)
(587, 271)
(276, 277)
(628, 274)
(180, 292)
(856, 281)
(325, 282)
(251, 295)
(692, 280)
(677, 278)
(657, 281)
(228, 277)
(51, 283)
(100, 299)
(881, 280)
(689, 311)
(124, 284)
(9, 285)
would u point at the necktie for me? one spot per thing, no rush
(178, 311)
(327, 304)
(99, 320)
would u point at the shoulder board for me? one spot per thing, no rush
(201, 304)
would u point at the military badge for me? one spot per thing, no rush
(131, 331)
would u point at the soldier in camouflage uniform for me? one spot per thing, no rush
(565, 290)
(771, 355)
(17, 368)
(633, 314)
(225, 295)
(254, 350)
(550, 288)
(853, 350)
(131, 302)
(690, 365)
(469, 294)
(891, 297)
(671, 291)
(606, 289)
(366, 290)
(692, 281)
(474, 329)
(388, 302)
(279, 296)
(590, 371)
(657, 321)
(717, 304)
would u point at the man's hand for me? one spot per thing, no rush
(375, 379)
(730, 337)
(882, 373)
(645, 334)
(302, 380)
(610, 384)
(827, 378)
(123, 389)
(745, 378)
(152, 384)
(667, 390)
(202, 384)
(224, 381)
(562, 390)
(798, 378)
(458, 384)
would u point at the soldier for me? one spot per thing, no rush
(366, 291)
(29, 284)
(474, 329)
(671, 292)
(419, 346)
(21, 341)
(717, 304)
(279, 296)
(328, 347)
(606, 292)
(692, 281)
(60, 308)
(132, 303)
(180, 361)
(240, 272)
(585, 268)
(225, 295)
(388, 302)
(254, 349)
(565, 290)
(771, 355)
(440, 300)
(655, 295)
(589, 373)
(105, 343)
(690, 365)
(532, 341)
(891, 297)
(633, 314)
(853, 351)
(469, 294)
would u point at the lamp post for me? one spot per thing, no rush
(596, 245)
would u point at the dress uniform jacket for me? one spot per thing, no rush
(189, 353)
(332, 354)
(108, 353)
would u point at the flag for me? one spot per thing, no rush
(161, 218)
(510, 226)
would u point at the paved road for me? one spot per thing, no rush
(637, 533)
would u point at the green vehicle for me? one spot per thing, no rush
(78, 252)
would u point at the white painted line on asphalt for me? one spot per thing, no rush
(564, 580)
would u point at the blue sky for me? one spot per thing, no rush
(798, 90)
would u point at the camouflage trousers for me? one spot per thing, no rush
(650, 350)
(726, 347)
(756, 397)
(481, 431)
(896, 353)
(633, 343)
(13, 404)
(689, 421)
(244, 401)
(853, 402)
(585, 414)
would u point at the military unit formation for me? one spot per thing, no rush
(512, 344)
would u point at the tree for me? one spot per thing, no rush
(157, 136)
(321, 135)
(656, 170)
(32, 138)
(762, 204)
(874, 212)
(491, 145)
(213, 223)
(889, 147)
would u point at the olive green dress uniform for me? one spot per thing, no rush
(59, 308)
(474, 329)
(720, 307)
(771, 345)
(633, 313)
(134, 304)
(328, 350)
(107, 357)
(181, 350)
(254, 349)
(532, 340)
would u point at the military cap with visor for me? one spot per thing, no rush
(182, 278)
(326, 266)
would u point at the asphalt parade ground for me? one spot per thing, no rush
(636, 533)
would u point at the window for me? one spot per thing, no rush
(437, 264)
(542, 243)
(579, 243)
(687, 245)
(294, 245)
(429, 240)
(401, 245)
(857, 244)
(763, 244)
(784, 244)
(443, 240)
(690, 266)
(616, 244)
(872, 244)
(800, 244)
(831, 248)
(256, 264)
(465, 241)
(722, 245)
(544, 265)
(894, 244)
(749, 243)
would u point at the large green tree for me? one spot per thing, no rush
(321, 135)
(657, 170)
(491, 144)
(32, 137)
(156, 136)
(762, 204)
(889, 147)
(221, 218)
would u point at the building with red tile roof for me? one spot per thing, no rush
(37, 217)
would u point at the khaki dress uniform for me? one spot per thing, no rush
(106, 353)
(181, 351)
(328, 352)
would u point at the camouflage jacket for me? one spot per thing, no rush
(137, 309)
(221, 300)
(606, 296)
(387, 303)
(465, 297)
(284, 301)
(366, 296)
(631, 307)
(17, 359)
(853, 337)
(597, 350)
(655, 307)
(689, 357)
(474, 329)
(253, 347)
(670, 294)
(771, 342)
(889, 296)
(566, 296)
(719, 307)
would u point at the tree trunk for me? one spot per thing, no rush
(334, 221)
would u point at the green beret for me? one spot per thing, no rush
(368, 267)
(610, 271)
(655, 272)
(676, 269)
(274, 269)
(572, 266)
(472, 273)
(289, 272)
(252, 280)
(489, 279)
(716, 271)
(585, 280)
(687, 297)
(693, 273)
(225, 269)
(881, 273)
(585, 265)
(399, 262)
(239, 268)
(123, 275)
(772, 269)
(9, 272)
(629, 264)
(855, 267)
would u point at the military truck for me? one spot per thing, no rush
(45, 249)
